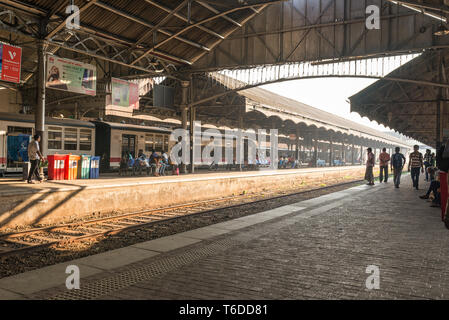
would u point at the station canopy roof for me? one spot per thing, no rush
(409, 108)
(150, 36)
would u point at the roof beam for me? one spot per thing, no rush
(164, 20)
(62, 24)
(212, 9)
(184, 18)
(197, 24)
(216, 43)
(148, 25)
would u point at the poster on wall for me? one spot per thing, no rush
(70, 75)
(10, 63)
(125, 94)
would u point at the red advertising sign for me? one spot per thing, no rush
(11, 63)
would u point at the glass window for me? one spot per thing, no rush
(158, 143)
(23, 130)
(149, 142)
(85, 139)
(54, 138)
(70, 139)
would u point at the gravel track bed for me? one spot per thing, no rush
(57, 254)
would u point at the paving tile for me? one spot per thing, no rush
(115, 258)
(41, 279)
(166, 244)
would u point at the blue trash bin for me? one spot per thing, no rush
(94, 167)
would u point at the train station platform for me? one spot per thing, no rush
(314, 249)
(40, 204)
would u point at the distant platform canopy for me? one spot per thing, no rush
(414, 109)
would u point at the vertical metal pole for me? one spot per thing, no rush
(192, 127)
(315, 151)
(39, 115)
(352, 153)
(297, 143)
(184, 109)
(343, 149)
(192, 138)
(361, 154)
(241, 124)
(331, 151)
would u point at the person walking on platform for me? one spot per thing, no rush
(369, 176)
(415, 165)
(397, 164)
(428, 161)
(384, 158)
(35, 156)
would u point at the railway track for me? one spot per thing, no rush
(21, 242)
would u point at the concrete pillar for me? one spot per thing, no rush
(184, 109)
(39, 115)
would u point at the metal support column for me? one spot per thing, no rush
(361, 154)
(352, 153)
(39, 115)
(192, 138)
(241, 125)
(184, 109)
(331, 151)
(315, 148)
(297, 143)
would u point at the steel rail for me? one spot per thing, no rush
(114, 231)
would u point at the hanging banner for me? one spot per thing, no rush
(11, 63)
(125, 94)
(71, 75)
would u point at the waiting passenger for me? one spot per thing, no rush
(416, 165)
(154, 162)
(433, 188)
(384, 158)
(141, 163)
(35, 156)
(164, 164)
(123, 165)
(427, 162)
(369, 176)
(397, 164)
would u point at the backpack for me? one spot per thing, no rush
(397, 160)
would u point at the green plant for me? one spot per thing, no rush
(43, 164)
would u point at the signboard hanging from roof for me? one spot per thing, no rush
(11, 63)
(125, 93)
(70, 75)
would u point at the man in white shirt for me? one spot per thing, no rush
(35, 156)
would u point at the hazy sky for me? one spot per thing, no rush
(329, 94)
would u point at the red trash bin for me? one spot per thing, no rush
(56, 164)
(443, 193)
(71, 167)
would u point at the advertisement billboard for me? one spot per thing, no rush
(10, 63)
(70, 75)
(125, 94)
